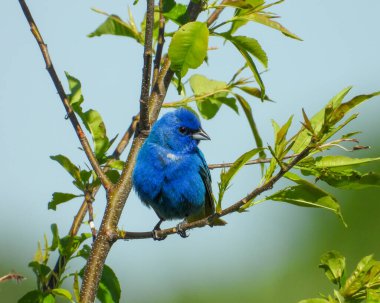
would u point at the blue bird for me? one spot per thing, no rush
(171, 174)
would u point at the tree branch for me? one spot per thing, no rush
(147, 68)
(61, 92)
(160, 44)
(215, 14)
(126, 235)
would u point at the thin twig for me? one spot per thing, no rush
(126, 235)
(160, 43)
(251, 162)
(61, 92)
(126, 138)
(147, 68)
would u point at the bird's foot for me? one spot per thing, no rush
(155, 236)
(156, 229)
(180, 230)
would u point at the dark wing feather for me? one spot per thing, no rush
(209, 208)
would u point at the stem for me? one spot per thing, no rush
(160, 44)
(147, 69)
(61, 92)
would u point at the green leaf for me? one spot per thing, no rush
(114, 25)
(341, 161)
(365, 276)
(226, 176)
(68, 245)
(267, 21)
(76, 97)
(280, 139)
(250, 45)
(323, 122)
(253, 91)
(306, 194)
(55, 241)
(109, 287)
(49, 299)
(188, 47)
(248, 113)
(175, 12)
(73, 170)
(34, 296)
(342, 109)
(91, 118)
(116, 164)
(59, 198)
(212, 93)
(62, 293)
(334, 264)
(94, 123)
(253, 69)
(201, 85)
(350, 179)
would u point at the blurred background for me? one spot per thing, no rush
(271, 253)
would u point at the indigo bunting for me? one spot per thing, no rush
(171, 174)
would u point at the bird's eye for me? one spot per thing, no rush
(183, 130)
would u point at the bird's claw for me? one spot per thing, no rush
(155, 236)
(181, 232)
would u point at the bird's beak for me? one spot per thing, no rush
(201, 135)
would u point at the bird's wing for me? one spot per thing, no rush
(209, 207)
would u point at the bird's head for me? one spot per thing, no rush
(179, 131)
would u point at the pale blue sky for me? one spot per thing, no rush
(341, 47)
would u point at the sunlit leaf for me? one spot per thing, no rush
(188, 47)
(62, 293)
(95, 125)
(334, 264)
(114, 25)
(250, 45)
(267, 21)
(73, 170)
(315, 300)
(226, 176)
(306, 194)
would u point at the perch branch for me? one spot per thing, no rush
(125, 235)
(160, 44)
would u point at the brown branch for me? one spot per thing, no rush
(126, 235)
(147, 68)
(12, 276)
(61, 92)
(126, 138)
(215, 14)
(160, 44)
